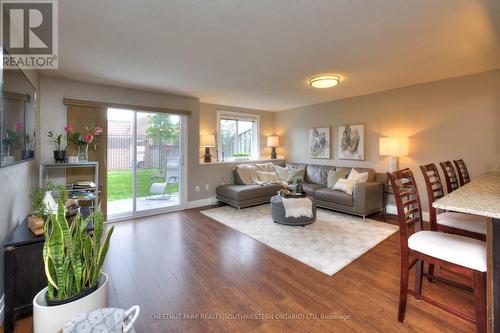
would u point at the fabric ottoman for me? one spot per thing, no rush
(278, 213)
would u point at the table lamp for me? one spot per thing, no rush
(207, 142)
(394, 147)
(273, 142)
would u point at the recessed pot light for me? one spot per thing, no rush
(324, 81)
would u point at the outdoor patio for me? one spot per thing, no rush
(123, 206)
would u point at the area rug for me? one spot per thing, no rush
(329, 244)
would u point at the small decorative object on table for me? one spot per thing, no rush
(83, 140)
(285, 193)
(60, 155)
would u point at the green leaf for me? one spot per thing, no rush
(102, 254)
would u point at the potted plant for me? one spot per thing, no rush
(39, 210)
(73, 261)
(10, 140)
(59, 154)
(83, 140)
(241, 156)
(28, 151)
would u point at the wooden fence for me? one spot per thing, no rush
(149, 155)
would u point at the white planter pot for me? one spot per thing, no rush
(51, 319)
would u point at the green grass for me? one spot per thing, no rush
(120, 183)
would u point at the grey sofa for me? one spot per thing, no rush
(367, 197)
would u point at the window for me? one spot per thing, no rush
(237, 136)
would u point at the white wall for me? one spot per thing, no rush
(16, 181)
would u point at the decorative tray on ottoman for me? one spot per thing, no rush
(291, 195)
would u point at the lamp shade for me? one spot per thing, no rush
(393, 146)
(273, 141)
(207, 141)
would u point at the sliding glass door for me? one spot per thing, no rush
(145, 162)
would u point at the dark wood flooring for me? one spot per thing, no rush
(185, 263)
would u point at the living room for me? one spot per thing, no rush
(252, 166)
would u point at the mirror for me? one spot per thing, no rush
(18, 118)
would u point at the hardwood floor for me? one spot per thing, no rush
(186, 263)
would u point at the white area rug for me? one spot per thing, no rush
(330, 243)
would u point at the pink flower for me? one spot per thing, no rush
(69, 128)
(98, 131)
(88, 138)
(17, 126)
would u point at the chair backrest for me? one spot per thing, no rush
(435, 190)
(408, 203)
(450, 176)
(463, 173)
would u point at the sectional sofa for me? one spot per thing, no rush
(366, 198)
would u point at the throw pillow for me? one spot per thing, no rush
(281, 172)
(345, 185)
(334, 176)
(268, 177)
(295, 174)
(358, 177)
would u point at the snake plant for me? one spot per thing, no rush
(73, 258)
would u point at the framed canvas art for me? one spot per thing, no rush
(319, 142)
(351, 142)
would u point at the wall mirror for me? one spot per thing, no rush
(17, 118)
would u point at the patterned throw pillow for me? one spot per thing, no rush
(281, 172)
(295, 174)
(334, 176)
(268, 177)
(345, 185)
(358, 177)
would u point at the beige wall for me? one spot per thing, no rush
(216, 174)
(16, 181)
(445, 120)
(53, 90)
(53, 111)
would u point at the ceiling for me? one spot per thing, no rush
(260, 53)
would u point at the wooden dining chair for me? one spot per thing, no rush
(455, 253)
(450, 176)
(463, 173)
(450, 222)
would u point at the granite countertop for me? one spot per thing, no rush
(479, 197)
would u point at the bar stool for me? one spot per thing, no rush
(450, 222)
(458, 254)
(450, 176)
(463, 173)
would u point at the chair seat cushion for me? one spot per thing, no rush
(462, 221)
(335, 196)
(247, 192)
(463, 251)
(311, 188)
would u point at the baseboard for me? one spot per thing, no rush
(392, 209)
(201, 202)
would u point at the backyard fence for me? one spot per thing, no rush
(150, 155)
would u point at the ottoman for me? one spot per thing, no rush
(278, 213)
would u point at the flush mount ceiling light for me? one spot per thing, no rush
(324, 81)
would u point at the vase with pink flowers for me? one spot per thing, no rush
(82, 140)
